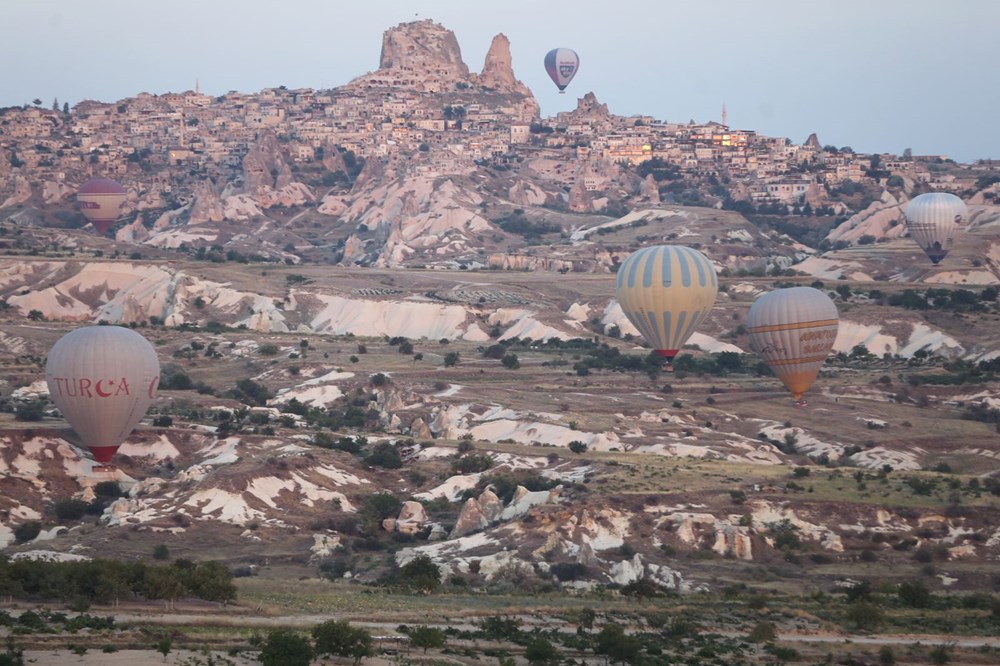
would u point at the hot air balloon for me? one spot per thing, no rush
(562, 64)
(793, 330)
(100, 200)
(931, 219)
(102, 379)
(666, 291)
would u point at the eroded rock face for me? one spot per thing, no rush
(207, 205)
(498, 71)
(423, 47)
(470, 520)
(265, 167)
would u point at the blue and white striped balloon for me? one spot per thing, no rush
(666, 291)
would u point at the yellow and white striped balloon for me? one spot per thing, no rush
(793, 331)
(931, 220)
(666, 291)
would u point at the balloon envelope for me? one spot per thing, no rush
(793, 330)
(562, 65)
(100, 201)
(666, 291)
(102, 379)
(931, 219)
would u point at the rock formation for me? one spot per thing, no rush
(265, 167)
(498, 72)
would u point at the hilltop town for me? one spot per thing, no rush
(423, 115)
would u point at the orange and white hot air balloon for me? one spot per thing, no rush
(932, 218)
(102, 379)
(793, 330)
(100, 201)
(666, 291)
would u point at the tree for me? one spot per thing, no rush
(66, 108)
(339, 638)
(864, 616)
(26, 532)
(541, 651)
(36, 315)
(914, 595)
(427, 637)
(576, 446)
(510, 362)
(617, 645)
(284, 647)
(450, 359)
(164, 645)
(763, 632)
(420, 573)
(30, 411)
(385, 455)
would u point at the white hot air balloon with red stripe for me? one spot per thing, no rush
(102, 379)
(100, 200)
(793, 331)
(932, 220)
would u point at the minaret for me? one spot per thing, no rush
(197, 88)
(724, 115)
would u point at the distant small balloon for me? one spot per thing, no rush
(100, 201)
(793, 331)
(102, 379)
(562, 65)
(931, 220)
(666, 291)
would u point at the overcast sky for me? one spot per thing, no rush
(877, 75)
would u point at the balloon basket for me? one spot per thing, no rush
(104, 469)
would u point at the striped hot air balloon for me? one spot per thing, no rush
(102, 379)
(793, 331)
(562, 65)
(100, 200)
(931, 220)
(666, 291)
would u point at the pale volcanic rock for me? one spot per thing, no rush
(56, 192)
(882, 220)
(498, 73)
(265, 166)
(420, 430)
(324, 545)
(490, 506)
(470, 520)
(579, 198)
(133, 233)
(523, 193)
(423, 47)
(588, 106)
(333, 159)
(207, 205)
(333, 205)
(648, 191)
(412, 518)
(21, 194)
(524, 262)
(525, 499)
